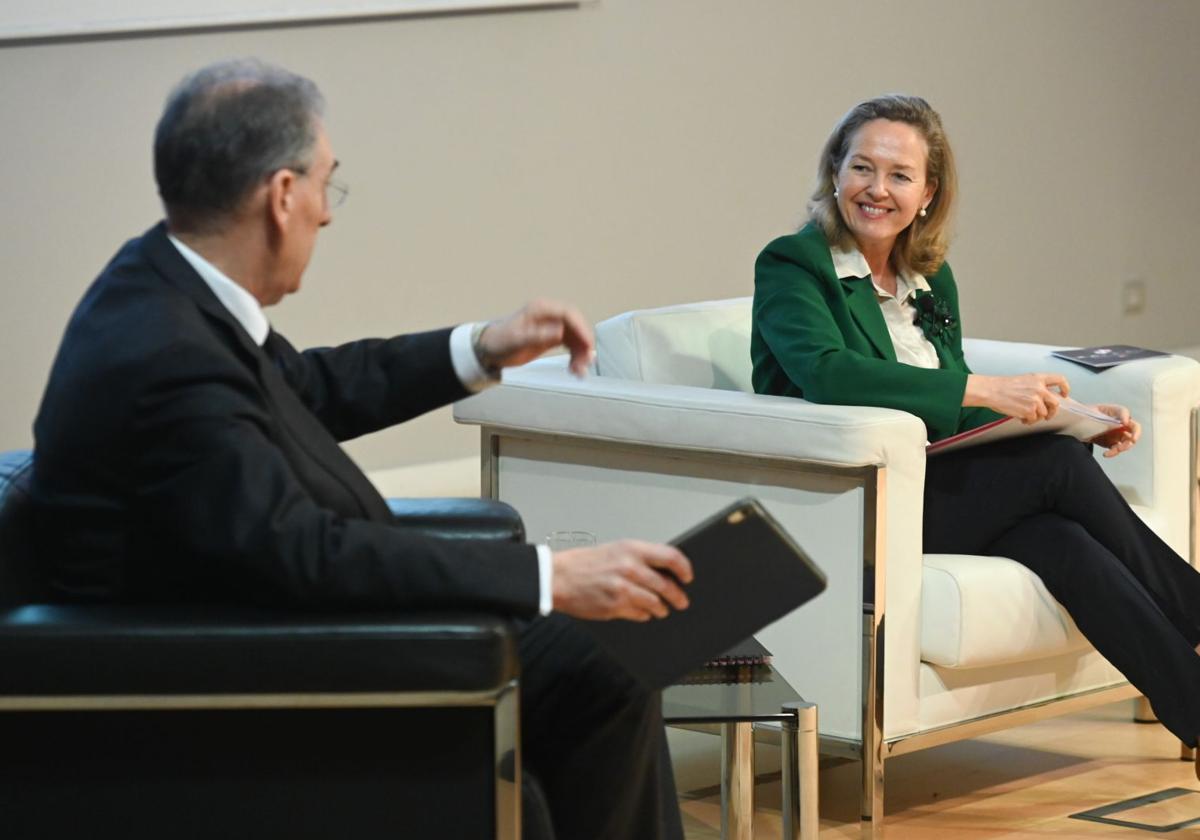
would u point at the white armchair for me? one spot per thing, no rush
(904, 650)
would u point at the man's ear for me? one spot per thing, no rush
(281, 198)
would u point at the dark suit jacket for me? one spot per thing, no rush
(816, 336)
(177, 460)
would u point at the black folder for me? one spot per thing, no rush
(748, 572)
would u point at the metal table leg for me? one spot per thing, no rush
(737, 781)
(799, 762)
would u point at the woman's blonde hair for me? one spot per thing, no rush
(922, 245)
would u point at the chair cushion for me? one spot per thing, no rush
(706, 345)
(979, 612)
(983, 611)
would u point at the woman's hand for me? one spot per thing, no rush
(1029, 397)
(1123, 437)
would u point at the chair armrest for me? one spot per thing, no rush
(65, 651)
(601, 414)
(459, 519)
(542, 398)
(1147, 387)
(1161, 393)
(1135, 384)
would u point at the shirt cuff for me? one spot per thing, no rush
(545, 579)
(466, 364)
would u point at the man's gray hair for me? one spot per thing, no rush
(224, 130)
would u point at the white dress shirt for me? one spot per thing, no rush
(247, 311)
(899, 311)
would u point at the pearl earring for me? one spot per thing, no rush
(922, 213)
(835, 192)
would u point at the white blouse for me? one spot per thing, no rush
(899, 311)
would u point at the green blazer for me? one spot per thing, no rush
(823, 338)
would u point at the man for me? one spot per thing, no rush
(185, 451)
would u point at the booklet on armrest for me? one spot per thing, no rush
(748, 572)
(1106, 355)
(1073, 418)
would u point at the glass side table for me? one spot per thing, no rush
(735, 698)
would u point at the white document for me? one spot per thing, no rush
(1073, 418)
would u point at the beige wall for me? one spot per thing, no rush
(634, 153)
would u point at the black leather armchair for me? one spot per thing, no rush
(138, 721)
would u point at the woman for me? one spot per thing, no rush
(860, 308)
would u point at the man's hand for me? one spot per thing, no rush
(529, 332)
(627, 579)
(1123, 437)
(1029, 397)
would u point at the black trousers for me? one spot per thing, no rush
(594, 739)
(1045, 502)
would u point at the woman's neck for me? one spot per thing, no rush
(879, 260)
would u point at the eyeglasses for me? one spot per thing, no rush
(335, 190)
(335, 193)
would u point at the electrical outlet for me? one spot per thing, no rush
(1133, 297)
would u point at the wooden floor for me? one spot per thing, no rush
(1022, 783)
